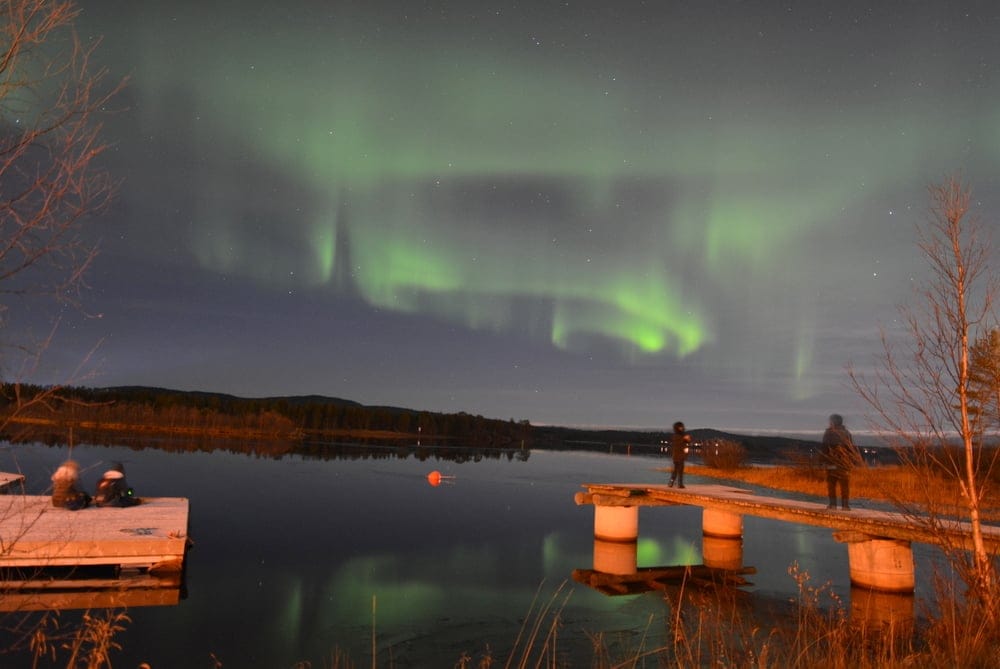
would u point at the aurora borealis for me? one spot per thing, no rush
(576, 212)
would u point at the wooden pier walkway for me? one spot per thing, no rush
(151, 537)
(10, 482)
(878, 541)
(889, 524)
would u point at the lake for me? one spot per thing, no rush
(297, 555)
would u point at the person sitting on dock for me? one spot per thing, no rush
(65, 491)
(113, 490)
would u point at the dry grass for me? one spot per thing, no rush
(898, 484)
(88, 643)
(714, 628)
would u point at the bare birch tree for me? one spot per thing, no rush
(51, 98)
(921, 393)
(51, 101)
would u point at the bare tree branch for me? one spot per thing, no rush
(52, 99)
(922, 394)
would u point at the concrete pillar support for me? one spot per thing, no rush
(723, 524)
(616, 523)
(879, 563)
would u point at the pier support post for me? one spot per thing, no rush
(722, 524)
(879, 563)
(616, 523)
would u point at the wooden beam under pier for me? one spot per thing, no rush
(648, 579)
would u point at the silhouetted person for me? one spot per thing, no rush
(840, 456)
(66, 492)
(113, 490)
(679, 444)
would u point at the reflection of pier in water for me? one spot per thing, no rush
(46, 590)
(125, 598)
(616, 570)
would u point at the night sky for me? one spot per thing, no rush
(582, 213)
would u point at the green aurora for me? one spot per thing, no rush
(594, 187)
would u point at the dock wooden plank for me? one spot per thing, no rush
(736, 500)
(10, 482)
(33, 533)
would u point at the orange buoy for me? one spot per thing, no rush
(434, 478)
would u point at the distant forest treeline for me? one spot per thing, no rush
(124, 414)
(171, 412)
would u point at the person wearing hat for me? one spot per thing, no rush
(113, 490)
(66, 493)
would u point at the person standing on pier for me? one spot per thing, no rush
(840, 456)
(679, 445)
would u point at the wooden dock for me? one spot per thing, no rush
(10, 482)
(150, 538)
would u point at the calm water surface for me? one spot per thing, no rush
(296, 556)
